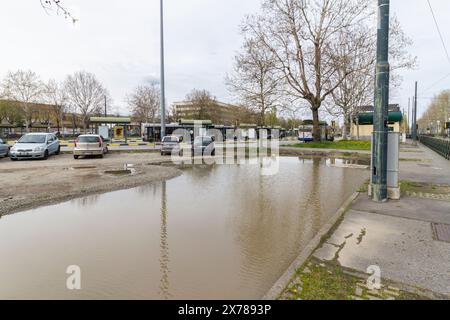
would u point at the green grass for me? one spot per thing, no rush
(340, 145)
(330, 282)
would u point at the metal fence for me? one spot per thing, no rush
(441, 146)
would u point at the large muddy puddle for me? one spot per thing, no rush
(215, 232)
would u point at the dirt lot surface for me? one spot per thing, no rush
(30, 184)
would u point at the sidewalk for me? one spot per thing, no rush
(408, 240)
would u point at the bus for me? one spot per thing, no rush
(305, 132)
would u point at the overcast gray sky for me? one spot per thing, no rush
(118, 40)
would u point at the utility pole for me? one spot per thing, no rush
(415, 115)
(409, 113)
(163, 85)
(106, 112)
(381, 110)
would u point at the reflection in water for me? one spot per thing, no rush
(233, 232)
(164, 259)
(87, 201)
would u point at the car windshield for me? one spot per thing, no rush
(32, 138)
(88, 139)
(170, 139)
(205, 141)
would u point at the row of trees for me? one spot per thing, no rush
(81, 93)
(437, 114)
(315, 55)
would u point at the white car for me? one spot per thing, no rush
(90, 145)
(35, 146)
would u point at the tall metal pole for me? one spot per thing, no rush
(409, 114)
(163, 84)
(415, 114)
(381, 112)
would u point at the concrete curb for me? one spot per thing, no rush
(282, 283)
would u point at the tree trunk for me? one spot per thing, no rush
(316, 125)
(347, 125)
(27, 126)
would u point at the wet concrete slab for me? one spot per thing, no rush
(404, 249)
(408, 207)
(432, 168)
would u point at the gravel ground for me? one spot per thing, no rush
(30, 184)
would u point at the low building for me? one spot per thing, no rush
(217, 112)
(362, 125)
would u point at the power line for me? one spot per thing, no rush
(439, 31)
(443, 45)
(435, 84)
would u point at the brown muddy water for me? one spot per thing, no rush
(216, 232)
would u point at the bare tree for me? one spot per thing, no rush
(25, 88)
(11, 113)
(357, 88)
(301, 35)
(85, 94)
(437, 114)
(144, 103)
(58, 7)
(57, 98)
(255, 79)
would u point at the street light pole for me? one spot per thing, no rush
(163, 85)
(415, 113)
(381, 110)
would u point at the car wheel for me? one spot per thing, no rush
(213, 153)
(101, 156)
(45, 155)
(13, 159)
(76, 157)
(58, 151)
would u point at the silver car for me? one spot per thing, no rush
(171, 145)
(4, 149)
(35, 146)
(90, 145)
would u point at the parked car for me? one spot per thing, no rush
(90, 145)
(4, 149)
(171, 144)
(35, 146)
(204, 146)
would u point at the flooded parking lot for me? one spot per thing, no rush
(215, 232)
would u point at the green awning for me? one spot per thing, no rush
(367, 118)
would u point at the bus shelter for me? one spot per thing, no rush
(111, 127)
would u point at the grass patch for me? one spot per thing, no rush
(360, 145)
(328, 281)
(327, 284)
(410, 160)
(416, 187)
(365, 187)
